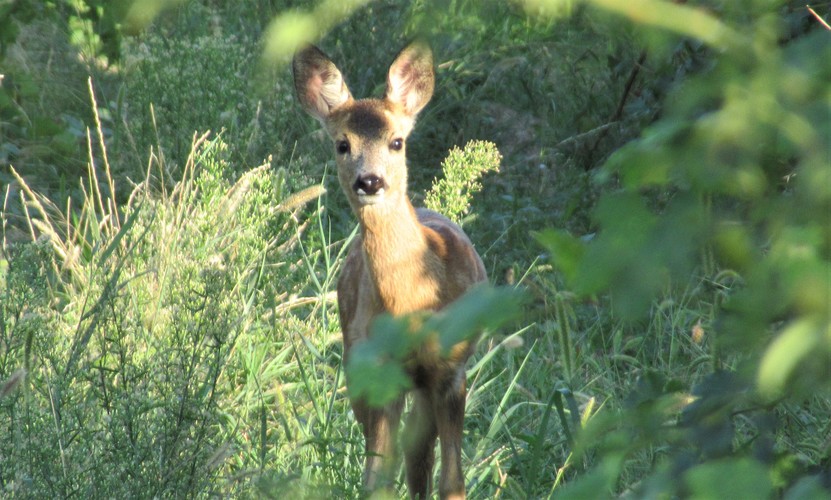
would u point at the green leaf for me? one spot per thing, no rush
(596, 483)
(376, 381)
(622, 259)
(648, 161)
(681, 19)
(375, 368)
(807, 488)
(566, 251)
(482, 307)
(291, 29)
(786, 352)
(731, 478)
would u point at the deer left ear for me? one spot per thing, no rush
(411, 78)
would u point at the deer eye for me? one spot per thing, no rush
(342, 147)
(397, 144)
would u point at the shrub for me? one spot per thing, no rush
(124, 324)
(730, 184)
(462, 170)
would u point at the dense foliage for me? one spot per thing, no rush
(167, 322)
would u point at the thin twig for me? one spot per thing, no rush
(585, 135)
(817, 16)
(627, 90)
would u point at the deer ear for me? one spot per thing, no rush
(411, 79)
(318, 82)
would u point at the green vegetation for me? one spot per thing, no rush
(171, 231)
(462, 169)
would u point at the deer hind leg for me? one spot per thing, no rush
(419, 443)
(379, 427)
(449, 411)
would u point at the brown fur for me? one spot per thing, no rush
(404, 261)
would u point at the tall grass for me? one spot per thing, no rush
(131, 330)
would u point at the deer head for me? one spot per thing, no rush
(369, 135)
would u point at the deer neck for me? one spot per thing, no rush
(404, 270)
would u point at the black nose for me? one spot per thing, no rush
(368, 184)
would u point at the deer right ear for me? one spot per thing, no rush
(319, 85)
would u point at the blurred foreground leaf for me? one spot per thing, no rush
(785, 354)
(375, 369)
(290, 30)
(730, 478)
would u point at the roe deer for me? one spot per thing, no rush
(405, 260)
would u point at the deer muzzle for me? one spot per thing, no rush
(369, 185)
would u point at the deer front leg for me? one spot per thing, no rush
(449, 411)
(379, 427)
(419, 443)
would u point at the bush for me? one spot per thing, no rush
(123, 327)
(730, 184)
(462, 170)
